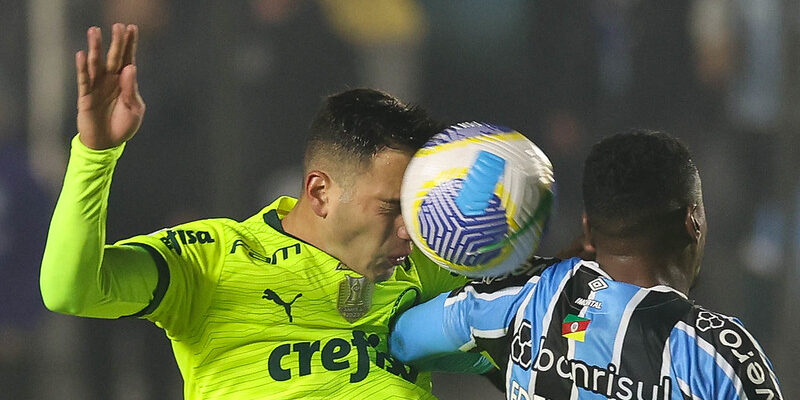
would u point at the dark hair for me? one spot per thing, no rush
(355, 125)
(639, 183)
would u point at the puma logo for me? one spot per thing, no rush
(271, 295)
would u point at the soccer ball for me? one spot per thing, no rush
(476, 197)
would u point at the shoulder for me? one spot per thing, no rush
(200, 236)
(724, 333)
(710, 325)
(730, 349)
(201, 233)
(529, 272)
(224, 230)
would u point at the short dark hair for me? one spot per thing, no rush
(639, 183)
(355, 125)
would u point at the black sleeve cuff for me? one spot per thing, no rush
(161, 286)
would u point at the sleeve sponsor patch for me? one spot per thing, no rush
(173, 239)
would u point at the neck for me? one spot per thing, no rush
(302, 223)
(625, 262)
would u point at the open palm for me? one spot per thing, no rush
(110, 109)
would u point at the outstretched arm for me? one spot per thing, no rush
(474, 317)
(79, 274)
(423, 332)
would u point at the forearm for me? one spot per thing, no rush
(474, 317)
(420, 333)
(77, 277)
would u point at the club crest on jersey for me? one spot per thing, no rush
(574, 327)
(355, 297)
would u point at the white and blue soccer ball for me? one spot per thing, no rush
(476, 198)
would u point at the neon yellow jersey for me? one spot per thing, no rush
(254, 313)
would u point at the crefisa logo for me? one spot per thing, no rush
(333, 355)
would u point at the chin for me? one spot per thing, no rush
(384, 275)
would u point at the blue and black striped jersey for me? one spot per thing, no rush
(567, 330)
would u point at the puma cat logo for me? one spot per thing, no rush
(271, 295)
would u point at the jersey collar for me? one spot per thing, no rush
(278, 209)
(272, 219)
(273, 213)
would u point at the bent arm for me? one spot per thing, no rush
(421, 333)
(475, 317)
(80, 275)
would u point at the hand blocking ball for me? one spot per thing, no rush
(476, 197)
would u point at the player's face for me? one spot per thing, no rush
(372, 237)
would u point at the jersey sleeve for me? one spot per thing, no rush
(79, 274)
(714, 356)
(434, 279)
(471, 317)
(190, 258)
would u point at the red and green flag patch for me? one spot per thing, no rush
(574, 327)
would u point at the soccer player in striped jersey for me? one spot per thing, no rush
(294, 302)
(619, 327)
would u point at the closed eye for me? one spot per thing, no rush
(390, 207)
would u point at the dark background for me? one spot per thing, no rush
(231, 87)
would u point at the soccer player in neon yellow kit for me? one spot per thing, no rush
(293, 302)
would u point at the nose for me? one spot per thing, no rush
(402, 232)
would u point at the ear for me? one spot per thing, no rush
(588, 240)
(317, 189)
(692, 223)
(580, 246)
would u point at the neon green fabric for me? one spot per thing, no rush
(252, 313)
(79, 276)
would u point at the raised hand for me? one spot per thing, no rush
(110, 109)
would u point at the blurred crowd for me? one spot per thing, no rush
(231, 86)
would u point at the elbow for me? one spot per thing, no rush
(59, 304)
(402, 342)
(397, 347)
(56, 304)
(57, 299)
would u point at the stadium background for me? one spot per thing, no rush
(231, 86)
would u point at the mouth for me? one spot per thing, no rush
(397, 260)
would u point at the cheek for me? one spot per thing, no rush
(347, 213)
(364, 228)
(379, 228)
(377, 233)
(367, 230)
